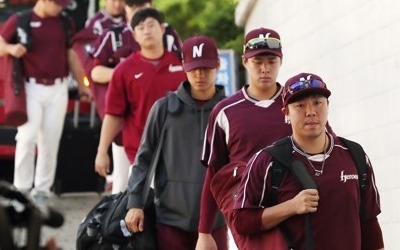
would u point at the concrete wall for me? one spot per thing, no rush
(355, 47)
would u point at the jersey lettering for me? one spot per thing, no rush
(345, 177)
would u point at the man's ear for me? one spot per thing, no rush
(244, 61)
(285, 110)
(218, 64)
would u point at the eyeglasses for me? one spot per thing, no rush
(306, 84)
(263, 43)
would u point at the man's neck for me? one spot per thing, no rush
(312, 145)
(203, 95)
(262, 94)
(152, 53)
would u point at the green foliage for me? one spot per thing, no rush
(212, 18)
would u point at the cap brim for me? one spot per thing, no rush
(211, 64)
(251, 53)
(63, 3)
(305, 92)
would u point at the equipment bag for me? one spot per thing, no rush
(104, 226)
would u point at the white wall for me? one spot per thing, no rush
(355, 47)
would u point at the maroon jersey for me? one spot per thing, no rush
(336, 224)
(136, 84)
(47, 57)
(106, 50)
(102, 21)
(239, 126)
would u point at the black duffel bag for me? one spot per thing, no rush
(104, 226)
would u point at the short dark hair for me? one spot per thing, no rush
(145, 13)
(131, 3)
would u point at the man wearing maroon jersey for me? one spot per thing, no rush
(107, 53)
(136, 84)
(335, 205)
(112, 15)
(45, 65)
(245, 122)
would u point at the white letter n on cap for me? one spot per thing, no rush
(198, 51)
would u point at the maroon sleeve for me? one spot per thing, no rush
(215, 150)
(371, 235)
(208, 207)
(8, 29)
(102, 49)
(248, 220)
(248, 209)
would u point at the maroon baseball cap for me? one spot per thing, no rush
(62, 3)
(199, 52)
(302, 85)
(262, 41)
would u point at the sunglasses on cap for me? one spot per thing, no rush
(263, 43)
(306, 84)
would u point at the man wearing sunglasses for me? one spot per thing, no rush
(245, 122)
(336, 203)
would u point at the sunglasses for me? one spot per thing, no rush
(300, 85)
(263, 43)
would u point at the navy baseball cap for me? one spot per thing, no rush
(199, 52)
(262, 41)
(302, 85)
(62, 3)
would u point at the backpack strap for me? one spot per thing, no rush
(171, 99)
(68, 29)
(116, 37)
(358, 155)
(174, 103)
(24, 37)
(359, 158)
(281, 152)
(24, 29)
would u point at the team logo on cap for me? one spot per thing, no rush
(198, 51)
(308, 78)
(264, 36)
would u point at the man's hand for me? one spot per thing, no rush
(306, 201)
(134, 220)
(16, 50)
(85, 94)
(206, 242)
(102, 164)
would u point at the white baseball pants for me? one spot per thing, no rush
(46, 109)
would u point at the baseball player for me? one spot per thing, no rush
(335, 205)
(112, 14)
(136, 84)
(180, 177)
(46, 66)
(245, 122)
(108, 52)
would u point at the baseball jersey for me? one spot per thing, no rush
(108, 53)
(336, 223)
(239, 126)
(102, 21)
(135, 85)
(47, 57)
